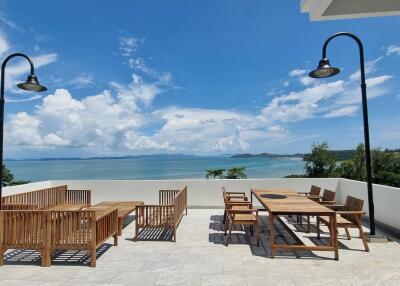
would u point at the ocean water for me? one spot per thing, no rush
(192, 168)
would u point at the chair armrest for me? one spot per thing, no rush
(350, 212)
(303, 193)
(327, 203)
(239, 204)
(236, 193)
(235, 211)
(244, 199)
(335, 207)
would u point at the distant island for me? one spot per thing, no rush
(340, 155)
(151, 156)
(268, 155)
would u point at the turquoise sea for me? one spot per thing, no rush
(192, 168)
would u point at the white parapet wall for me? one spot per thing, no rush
(386, 201)
(207, 193)
(201, 192)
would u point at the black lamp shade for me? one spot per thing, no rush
(32, 84)
(324, 70)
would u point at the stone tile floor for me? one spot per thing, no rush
(200, 258)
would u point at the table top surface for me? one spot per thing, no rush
(124, 207)
(286, 201)
(69, 207)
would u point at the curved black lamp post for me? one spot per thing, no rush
(31, 84)
(326, 70)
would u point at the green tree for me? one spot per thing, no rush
(353, 168)
(236, 173)
(8, 178)
(214, 173)
(320, 163)
(386, 168)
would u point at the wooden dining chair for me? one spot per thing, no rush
(347, 216)
(233, 197)
(314, 191)
(244, 216)
(328, 197)
(313, 194)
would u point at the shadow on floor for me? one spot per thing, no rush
(155, 234)
(128, 220)
(68, 257)
(282, 236)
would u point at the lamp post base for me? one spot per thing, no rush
(377, 238)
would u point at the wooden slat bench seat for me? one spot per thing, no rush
(48, 198)
(48, 231)
(124, 209)
(166, 215)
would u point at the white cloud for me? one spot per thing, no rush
(137, 91)
(17, 72)
(302, 76)
(129, 49)
(306, 80)
(27, 99)
(393, 50)
(297, 72)
(378, 80)
(8, 22)
(102, 122)
(370, 67)
(83, 80)
(300, 105)
(343, 111)
(4, 46)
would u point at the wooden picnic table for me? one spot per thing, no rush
(124, 209)
(279, 202)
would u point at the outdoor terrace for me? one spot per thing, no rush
(199, 256)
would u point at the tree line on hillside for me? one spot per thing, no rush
(322, 163)
(232, 173)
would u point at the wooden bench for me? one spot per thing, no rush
(49, 198)
(47, 231)
(124, 209)
(166, 215)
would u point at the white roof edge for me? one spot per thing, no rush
(316, 10)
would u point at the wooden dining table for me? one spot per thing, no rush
(285, 202)
(124, 209)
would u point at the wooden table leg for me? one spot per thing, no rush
(120, 226)
(335, 237)
(272, 234)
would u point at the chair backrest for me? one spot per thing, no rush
(352, 204)
(328, 195)
(315, 190)
(166, 197)
(22, 229)
(224, 195)
(71, 228)
(44, 199)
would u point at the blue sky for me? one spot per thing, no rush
(194, 77)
